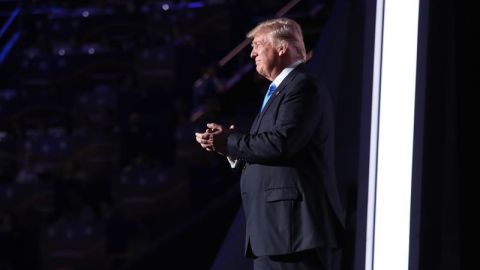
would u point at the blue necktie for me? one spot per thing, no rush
(270, 91)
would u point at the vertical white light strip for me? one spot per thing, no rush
(393, 108)
(377, 58)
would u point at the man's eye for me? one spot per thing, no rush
(257, 44)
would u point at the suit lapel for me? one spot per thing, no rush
(280, 90)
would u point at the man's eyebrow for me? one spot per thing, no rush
(258, 42)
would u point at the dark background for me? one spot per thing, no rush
(99, 102)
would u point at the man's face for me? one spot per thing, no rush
(265, 55)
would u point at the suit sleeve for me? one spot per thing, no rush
(299, 115)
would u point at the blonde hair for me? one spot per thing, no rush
(281, 30)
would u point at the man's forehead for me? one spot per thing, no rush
(257, 38)
(260, 36)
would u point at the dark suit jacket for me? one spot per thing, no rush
(288, 185)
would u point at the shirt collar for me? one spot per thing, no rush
(278, 80)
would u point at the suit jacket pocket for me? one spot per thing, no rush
(281, 194)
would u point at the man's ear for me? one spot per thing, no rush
(282, 49)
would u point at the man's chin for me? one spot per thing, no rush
(259, 71)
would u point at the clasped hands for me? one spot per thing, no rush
(214, 139)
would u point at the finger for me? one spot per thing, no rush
(201, 140)
(214, 126)
(202, 136)
(199, 135)
(207, 147)
(198, 138)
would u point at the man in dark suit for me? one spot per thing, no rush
(294, 216)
